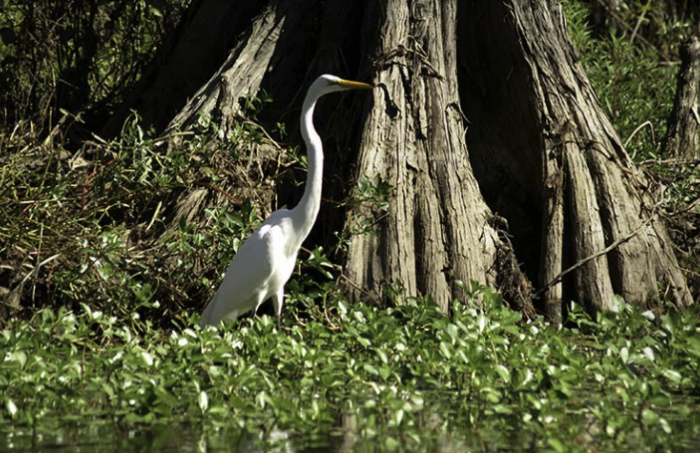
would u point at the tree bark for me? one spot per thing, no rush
(681, 138)
(270, 42)
(437, 227)
(185, 63)
(536, 123)
(485, 126)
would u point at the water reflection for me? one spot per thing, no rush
(430, 434)
(179, 438)
(192, 438)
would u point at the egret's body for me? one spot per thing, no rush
(266, 260)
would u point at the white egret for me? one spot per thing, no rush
(266, 260)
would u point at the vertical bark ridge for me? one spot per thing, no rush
(552, 235)
(592, 285)
(438, 222)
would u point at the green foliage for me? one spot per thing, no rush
(632, 66)
(637, 91)
(406, 376)
(75, 56)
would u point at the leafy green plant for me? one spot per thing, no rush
(410, 374)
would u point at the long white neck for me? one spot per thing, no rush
(304, 214)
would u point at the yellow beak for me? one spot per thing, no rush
(352, 85)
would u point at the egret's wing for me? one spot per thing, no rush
(246, 283)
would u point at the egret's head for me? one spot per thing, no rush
(330, 84)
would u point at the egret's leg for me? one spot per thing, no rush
(277, 300)
(260, 300)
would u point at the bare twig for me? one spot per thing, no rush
(607, 249)
(639, 128)
(639, 23)
(213, 186)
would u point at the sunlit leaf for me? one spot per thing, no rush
(503, 373)
(203, 401)
(673, 376)
(11, 408)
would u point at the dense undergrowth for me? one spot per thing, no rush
(76, 56)
(480, 378)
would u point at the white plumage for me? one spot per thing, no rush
(266, 260)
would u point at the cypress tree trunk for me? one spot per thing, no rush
(483, 123)
(537, 124)
(437, 229)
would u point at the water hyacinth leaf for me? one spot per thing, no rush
(502, 409)
(382, 356)
(649, 417)
(624, 355)
(359, 317)
(453, 331)
(694, 346)
(462, 356)
(398, 416)
(116, 357)
(498, 340)
(11, 408)
(189, 332)
(261, 399)
(556, 444)
(649, 315)
(445, 350)
(665, 426)
(617, 304)
(392, 443)
(364, 341)
(503, 373)
(17, 356)
(370, 369)
(147, 358)
(384, 372)
(482, 323)
(673, 376)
